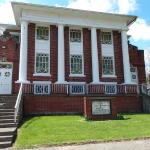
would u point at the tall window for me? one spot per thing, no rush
(108, 67)
(42, 63)
(106, 38)
(76, 64)
(42, 33)
(75, 35)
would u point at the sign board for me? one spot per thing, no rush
(101, 107)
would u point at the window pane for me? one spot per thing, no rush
(107, 63)
(75, 35)
(76, 64)
(106, 38)
(42, 33)
(42, 63)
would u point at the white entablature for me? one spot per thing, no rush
(58, 15)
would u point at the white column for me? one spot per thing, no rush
(126, 61)
(61, 61)
(23, 53)
(95, 62)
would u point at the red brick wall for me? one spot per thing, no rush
(87, 55)
(118, 57)
(53, 52)
(75, 104)
(52, 104)
(128, 104)
(137, 60)
(67, 57)
(11, 52)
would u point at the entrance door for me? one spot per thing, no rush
(5, 78)
(134, 75)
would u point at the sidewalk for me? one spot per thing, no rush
(125, 145)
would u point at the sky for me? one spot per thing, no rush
(139, 31)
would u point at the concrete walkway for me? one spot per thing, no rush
(125, 145)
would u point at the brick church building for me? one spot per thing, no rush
(60, 57)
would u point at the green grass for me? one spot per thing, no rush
(53, 130)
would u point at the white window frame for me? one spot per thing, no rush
(74, 52)
(71, 84)
(42, 74)
(106, 32)
(70, 35)
(45, 26)
(111, 93)
(45, 50)
(44, 83)
(114, 73)
(78, 75)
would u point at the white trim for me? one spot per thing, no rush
(109, 76)
(42, 82)
(63, 15)
(77, 75)
(42, 74)
(71, 52)
(41, 25)
(76, 82)
(114, 71)
(111, 83)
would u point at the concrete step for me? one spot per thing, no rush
(6, 138)
(7, 125)
(6, 113)
(7, 117)
(5, 144)
(7, 105)
(6, 110)
(6, 121)
(7, 131)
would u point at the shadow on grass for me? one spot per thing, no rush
(31, 119)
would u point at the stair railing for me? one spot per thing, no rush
(18, 101)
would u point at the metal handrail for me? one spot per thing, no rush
(17, 105)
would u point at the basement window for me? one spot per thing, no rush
(77, 89)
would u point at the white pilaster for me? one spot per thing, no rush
(23, 53)
(61, 61)
(95, 62)
(126, 61)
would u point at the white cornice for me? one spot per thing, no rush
(56, 15)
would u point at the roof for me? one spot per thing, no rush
(19, 6)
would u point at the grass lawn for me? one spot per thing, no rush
(53, 130)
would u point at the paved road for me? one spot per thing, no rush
(125, 145)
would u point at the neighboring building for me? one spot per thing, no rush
(68, 54)
(147, 65)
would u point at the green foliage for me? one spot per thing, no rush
(57, 130)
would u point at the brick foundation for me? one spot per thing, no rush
(75, 104)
